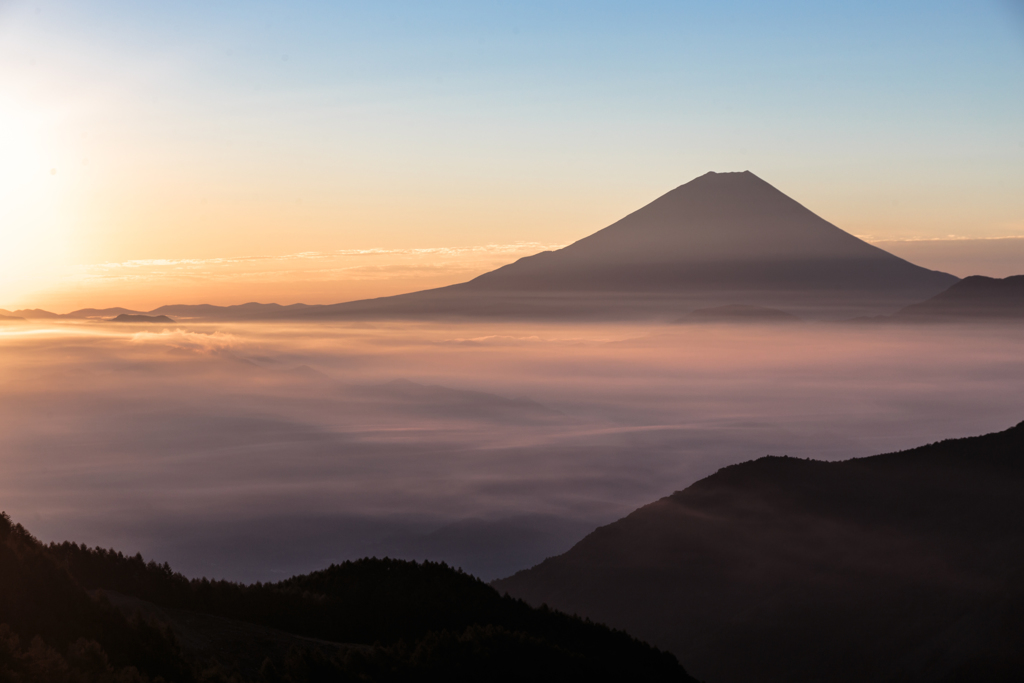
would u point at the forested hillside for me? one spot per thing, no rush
(904, 566)
(71, 613)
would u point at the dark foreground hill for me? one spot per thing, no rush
(70, 614)
(723, 239)
(900, 567)
(974, 298)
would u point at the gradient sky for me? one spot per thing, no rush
(140, 131)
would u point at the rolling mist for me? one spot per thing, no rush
(257, 451)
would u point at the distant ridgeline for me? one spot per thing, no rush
(903, 567)
(70, 613)
(972, 299)
(722, 239)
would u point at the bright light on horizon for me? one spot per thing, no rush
(34, 233)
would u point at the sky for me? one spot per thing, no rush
(137, 136)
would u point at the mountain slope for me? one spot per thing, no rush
(69, 613)
(973, 298)
(728, 231)
(904, 565)
(723, 238)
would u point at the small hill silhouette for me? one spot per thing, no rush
(905, 566)
(100, 312)
(730, 231)
(973, 298)
(720, 239)
(39, 313)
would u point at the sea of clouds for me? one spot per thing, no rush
(256, 451)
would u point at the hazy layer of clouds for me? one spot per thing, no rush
(312, 277)
(255, 451)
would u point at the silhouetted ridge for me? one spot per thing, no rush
(721, 230)
(973, 298)
(50, 627)
(904, 566)
(370, 620)
(721, 239)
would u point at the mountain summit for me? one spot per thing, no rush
(721, 231)
(721, 239)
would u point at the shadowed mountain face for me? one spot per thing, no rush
(36, 313)
(973, 298)
(68, 613)
(904, 566)
(722, 231)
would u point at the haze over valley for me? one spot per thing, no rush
(253, 451)
(493, 423)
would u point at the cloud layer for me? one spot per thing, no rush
(255, 451)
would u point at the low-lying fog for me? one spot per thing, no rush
(259, 451)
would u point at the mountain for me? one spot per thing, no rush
(83, 313)
(973, 298)
(100, 313)
(126, 318)
(723, 238)
(906, 566)
(37, 313)
(249, 311)
(70, 613)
